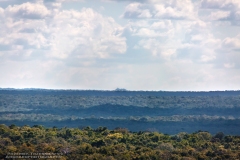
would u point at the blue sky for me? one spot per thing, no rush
(138, 45)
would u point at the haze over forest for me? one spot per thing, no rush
(168, 112)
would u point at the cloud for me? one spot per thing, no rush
(189, 38)
(59, 34)
(145, 28)
(207, 58)
(145, 32)
(27, 10)
(228, 53)
(158, 48)
(168, 40)
(87, 34)
(220, 4)
(161, 25)
(134, 10)
(232, 43)
(225, 10)
(160, 10)
(1, 11)
(219, 15)
(46, 47)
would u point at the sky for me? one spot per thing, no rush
(174, 45)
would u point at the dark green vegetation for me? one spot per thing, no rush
(101, 143)
(167, 112)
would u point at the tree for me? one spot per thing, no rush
(219, 135)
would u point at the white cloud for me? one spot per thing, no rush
(228, 53)
(137, 10)
(161, 25)
(207, 58)
(145, 14)
(220, 4)
(190, 40)
(180, 40)
(41, 46)
(174, 10)
(224, 10)
(158, 49)
(144, 28)
(86, 33)
(219, 15)
(232, 43)
(60, 34)
(145, 32)
(1, 11)
(27, 10)
(161, 10)
(197, 37)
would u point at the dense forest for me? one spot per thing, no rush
(27, 142)
(66, 124)
(166, 112)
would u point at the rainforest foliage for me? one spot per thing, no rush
(101, 143)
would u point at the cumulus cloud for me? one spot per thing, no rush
(228, 53)
(160, 10)
(144, 28)
(61, 33)
(190, 38)
(220, 4)
(219, 15)
(225, 10)
(27, 10)
(86, 33)
(58, 44)
(232, 43)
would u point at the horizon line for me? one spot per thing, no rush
(117, 90)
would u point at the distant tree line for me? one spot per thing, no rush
(24, 102)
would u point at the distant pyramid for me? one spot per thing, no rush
(120, 89)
